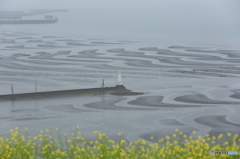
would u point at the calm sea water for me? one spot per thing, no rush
(128, 25)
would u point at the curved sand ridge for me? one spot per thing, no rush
(229, 53)
(29, 110)
(78, 44)
(25, 37)
(200, 99)
(32, 118)
(169, 60)
(168, 52)
(236, 94)
(156, 101)
(213, 73)
(110, 104)
(127, 61)
(66, 108)
(14, 65)
(103, 42)
(219, 124)
(49, 56)
(22, 58)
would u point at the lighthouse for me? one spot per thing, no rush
(119, 82)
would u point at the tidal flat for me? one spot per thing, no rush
(190, 88)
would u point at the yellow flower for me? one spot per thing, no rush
(229, 134)
(176, 130)
(174, 135)
(56, 129)
(151, 137)
(194, 132)
(123, 142)
(119, 134)
(47, 130)
(167, 137)
(220, 136)
(16, 128)
(26, 129)
(77, 127)
(143, 142)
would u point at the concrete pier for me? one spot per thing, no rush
(67, 93)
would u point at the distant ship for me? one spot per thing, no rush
(47, 19)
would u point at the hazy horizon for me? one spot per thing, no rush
(215, 21)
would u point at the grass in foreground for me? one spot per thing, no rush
(52, 146)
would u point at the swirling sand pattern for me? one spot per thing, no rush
(161, 71)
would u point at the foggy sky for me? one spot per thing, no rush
(179, 18)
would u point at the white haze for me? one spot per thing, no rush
(200, 21)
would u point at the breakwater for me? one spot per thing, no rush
(73, 92)
(33, 21)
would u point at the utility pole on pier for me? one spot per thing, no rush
(102, 88)
(12, 92)
(35, 86)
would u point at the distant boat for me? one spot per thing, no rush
(47, 19)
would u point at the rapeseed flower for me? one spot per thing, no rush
(18, 145)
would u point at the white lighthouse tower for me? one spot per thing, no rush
(119, 82)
